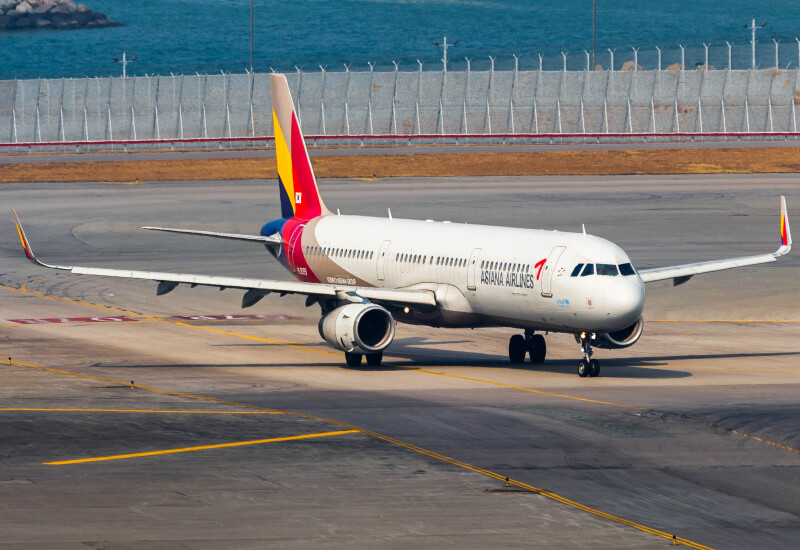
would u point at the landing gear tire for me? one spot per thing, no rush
(583, 368)
(353, 359)
(594, 368)
(374, 359)
(517, 349)
(537, 349)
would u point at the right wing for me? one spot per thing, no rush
(682, 273)
(256, 288)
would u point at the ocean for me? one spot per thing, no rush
(209, 36)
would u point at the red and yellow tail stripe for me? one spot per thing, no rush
(298, 187)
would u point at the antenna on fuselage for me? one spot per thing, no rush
(390, 213)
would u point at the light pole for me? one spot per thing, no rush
(444, 45)
(125, 62)
(753, 28)
(594, 28)
(251, 36)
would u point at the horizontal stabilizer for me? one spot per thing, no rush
(272, 239)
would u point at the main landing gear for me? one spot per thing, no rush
(354, 359)
(531, 344)
(587, 366)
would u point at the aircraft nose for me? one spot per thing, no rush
(624, 301)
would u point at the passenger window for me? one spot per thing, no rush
(607, 269)
(627, 269)
(576, 270)
(588, 270)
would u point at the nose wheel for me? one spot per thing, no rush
(587, 366)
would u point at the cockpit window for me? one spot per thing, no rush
(576, 270)
(607, 269)
(627, 269)
(588, 270)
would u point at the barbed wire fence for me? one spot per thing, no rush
(623, 102)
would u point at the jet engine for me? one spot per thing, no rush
(622, 338)
(358, 328)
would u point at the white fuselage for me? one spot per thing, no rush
(481, 275)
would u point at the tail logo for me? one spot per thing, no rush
(298, 198)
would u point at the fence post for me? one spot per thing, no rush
(322, 101)
(133, 120)
(369, 101)
(724, 124)
(489, 96)
(659, 58)
(605, 113)
(746, 115)
(683, 57)
(677, 128)
(653, 113)
(729, 54)
(706, 62)
(588, 61)
(777, 66)
(583, 123)
(394, 95)
(635, 59)
(798, 52)
(563, 55)
(14, 124)
(346, 93)
(540, 63)
(419, 91)
(769, 110)
(558, 114)
(611, 68)
(700, 113)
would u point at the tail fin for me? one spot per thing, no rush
(299, 194)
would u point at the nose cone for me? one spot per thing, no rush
(624, 301)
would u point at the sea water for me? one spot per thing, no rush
(209, 36)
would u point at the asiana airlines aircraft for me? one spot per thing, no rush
(368, 273)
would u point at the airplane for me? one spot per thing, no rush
(369, 273)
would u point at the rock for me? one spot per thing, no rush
(703, 68)
(628, 66)
(25, 22)
(42, 7)
(24, 7)
(81, 7)
(66, 7)
(675, 67)
(43, 23)
(598, 67)
(8, 5)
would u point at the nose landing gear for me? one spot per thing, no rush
(587, 366)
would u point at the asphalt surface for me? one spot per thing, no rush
(695, 430)
(226, 152)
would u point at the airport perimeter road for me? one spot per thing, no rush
(71, 156)
(693, 431)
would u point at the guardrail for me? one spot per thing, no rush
(365, 139)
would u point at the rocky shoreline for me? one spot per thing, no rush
(50, 14)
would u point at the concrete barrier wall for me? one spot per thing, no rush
(405, 103)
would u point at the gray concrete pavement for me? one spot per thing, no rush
(651, 440)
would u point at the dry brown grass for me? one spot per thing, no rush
(600, 162)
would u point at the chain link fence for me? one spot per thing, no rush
(485, 105)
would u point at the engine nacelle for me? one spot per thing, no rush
(622, 338)
(358, 328)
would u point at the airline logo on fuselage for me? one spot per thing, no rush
(298, 197)
(507, 278)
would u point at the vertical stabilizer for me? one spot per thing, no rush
(298, 188)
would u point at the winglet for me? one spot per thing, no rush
(27, 247)
(786, 233)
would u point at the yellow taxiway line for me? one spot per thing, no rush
(200, 448)
(351, 428)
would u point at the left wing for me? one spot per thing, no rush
(256, 288)
(682, 273)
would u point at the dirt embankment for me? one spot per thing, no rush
(600, 162)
